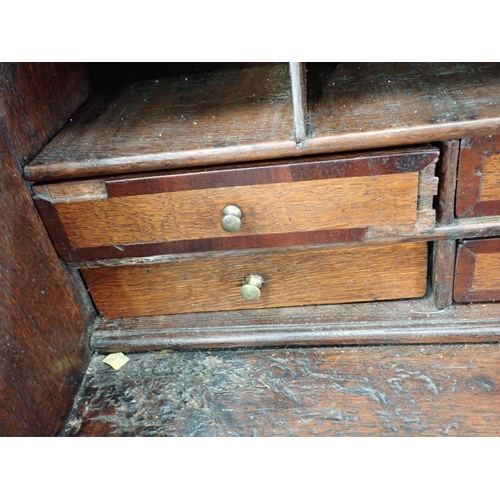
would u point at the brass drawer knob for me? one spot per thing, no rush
(251, 289)
(231, 222)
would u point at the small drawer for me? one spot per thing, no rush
(477, 273)
(323, 200)
(324, 275)
(478, 186)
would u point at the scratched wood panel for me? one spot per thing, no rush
(477, 271)
(432, 390)
(275, 208)
(292, 278)
(478, 185)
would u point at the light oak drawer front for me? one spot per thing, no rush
(324, 275)
(477, 274)
(478, 187)
(321, 201)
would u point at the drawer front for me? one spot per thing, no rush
(477, 274)
(325, 275)
(321, 201)
(478, 187)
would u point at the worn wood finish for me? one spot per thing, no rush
(388, 103)
(299, 96)
(198, 114)
(429, 390)
(478, 270)
(43, 334)
(415, 321)
(356, 106)
(478, 190)
(443, 272)
(292, 278)
(323, 201)
(37, 99)
(447, 173)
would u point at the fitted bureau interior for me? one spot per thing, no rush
(344, 175)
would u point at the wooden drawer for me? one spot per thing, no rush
(478, 187)
(477, 274)
(324, 200)
(292, 277)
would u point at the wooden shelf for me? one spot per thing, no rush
(246, 113)
(203, 118)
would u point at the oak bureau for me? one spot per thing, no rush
(220, 205)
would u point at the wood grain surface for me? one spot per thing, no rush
(477, 271)
(478, 187)
(43, 334)
(246, 114)
(434, 390)
(292, 278)
(486, 272)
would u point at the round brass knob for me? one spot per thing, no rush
(231, 222)
(251, 289)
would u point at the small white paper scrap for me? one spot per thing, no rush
(116, 360)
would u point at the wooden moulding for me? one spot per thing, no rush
(397, 322)
(291, 278)
(323, 200)
(246, 114)
(478, 189)
(477, 275)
